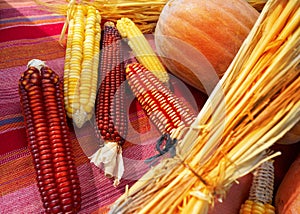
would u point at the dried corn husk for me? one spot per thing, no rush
(255, 103)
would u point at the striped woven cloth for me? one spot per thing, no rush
(27, 31)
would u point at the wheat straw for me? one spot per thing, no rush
(255, 103)
(144, 13)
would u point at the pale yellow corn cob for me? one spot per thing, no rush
(141, 48)
(81, 63)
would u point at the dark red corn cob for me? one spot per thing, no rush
(110, 109)
(42, 105)
(110, 114)
(167, 111)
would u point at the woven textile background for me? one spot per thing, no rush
(26, 32)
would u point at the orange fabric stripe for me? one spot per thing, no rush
(45, 51)
(102, 210)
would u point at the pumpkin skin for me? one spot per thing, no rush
(214, 29)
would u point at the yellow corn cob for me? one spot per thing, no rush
(261, 192)
(81, 63)
(255, 207)
(141, 48)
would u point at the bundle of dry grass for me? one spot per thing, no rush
(143, 13)
(255, 104)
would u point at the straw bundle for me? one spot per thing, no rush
(255, 103)
(143, 13)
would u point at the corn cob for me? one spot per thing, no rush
(167, 111)
(81, 63)
(141, 48)
(42, 104)
(261, 192)
(110, 114)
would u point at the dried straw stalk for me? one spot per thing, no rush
(144, 13)
(255, 104)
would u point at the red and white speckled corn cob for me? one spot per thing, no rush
(163, 107)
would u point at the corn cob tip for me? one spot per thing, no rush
(142, 48)
(110, 155)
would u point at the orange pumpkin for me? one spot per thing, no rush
(198, 39)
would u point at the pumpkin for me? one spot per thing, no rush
(287, 198)
(198, 39)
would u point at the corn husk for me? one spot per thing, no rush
(255, 103)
